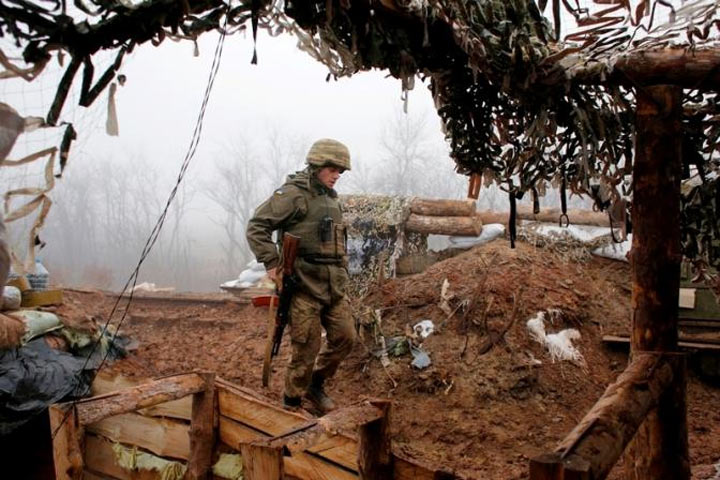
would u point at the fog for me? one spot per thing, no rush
(260, 121)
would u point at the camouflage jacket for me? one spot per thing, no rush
(309, 210)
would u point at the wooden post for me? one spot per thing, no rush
(261, 462)
(660, 447)
(202, 430)
(375, 460)
(67, 435)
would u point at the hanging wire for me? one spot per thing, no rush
(154, 235)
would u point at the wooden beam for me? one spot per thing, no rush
(598, 441)
(202, 430)
(159, 391)
(660, 449)
(461, 226)
(67, 437)
(442, 207)
(696, 69)
(375, 460)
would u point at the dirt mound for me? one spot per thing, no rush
(489, 401)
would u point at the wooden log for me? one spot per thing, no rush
(107, 383)
(695, 69)
(262, 463)
(312, 432)
(460, 226)
(202, 430)
(440, 207)
(94, 409)
(163, 437)
(67, 437)
(546, 215)
(596, 443)
(375, 460)
(660, 448)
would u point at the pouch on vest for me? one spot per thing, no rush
(340, 240)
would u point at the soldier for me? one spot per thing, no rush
(307, 206)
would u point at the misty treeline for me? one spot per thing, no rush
(105, 209)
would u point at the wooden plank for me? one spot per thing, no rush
(202, 430)
(100, 458)
(163, 437)
(91, 410)
(67, 442)
(180, 408)
(300, 464)
(268, 418)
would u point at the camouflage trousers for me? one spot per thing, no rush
(308, 317)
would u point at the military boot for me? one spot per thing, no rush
(291, 403)
(316, 394)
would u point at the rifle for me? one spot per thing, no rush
(276, 325)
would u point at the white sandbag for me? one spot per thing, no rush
(490, 232)
(583, 233)
(11, 298)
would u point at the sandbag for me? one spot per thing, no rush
(11, 298)
(36, 323)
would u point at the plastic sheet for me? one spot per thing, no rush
(35, 376)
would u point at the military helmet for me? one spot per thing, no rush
(328, 152)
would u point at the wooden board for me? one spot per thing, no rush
(100, 458)
(105, 383)
(163, 437)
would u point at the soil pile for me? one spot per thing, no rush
(492, 397)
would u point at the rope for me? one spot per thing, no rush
(154, 235)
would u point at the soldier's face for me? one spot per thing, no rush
(329, 175)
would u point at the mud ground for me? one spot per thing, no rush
(486, 405)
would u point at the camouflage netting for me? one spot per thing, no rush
(521, 105)
(377, 237)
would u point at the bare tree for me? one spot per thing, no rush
(413, 163)
(236, 189)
